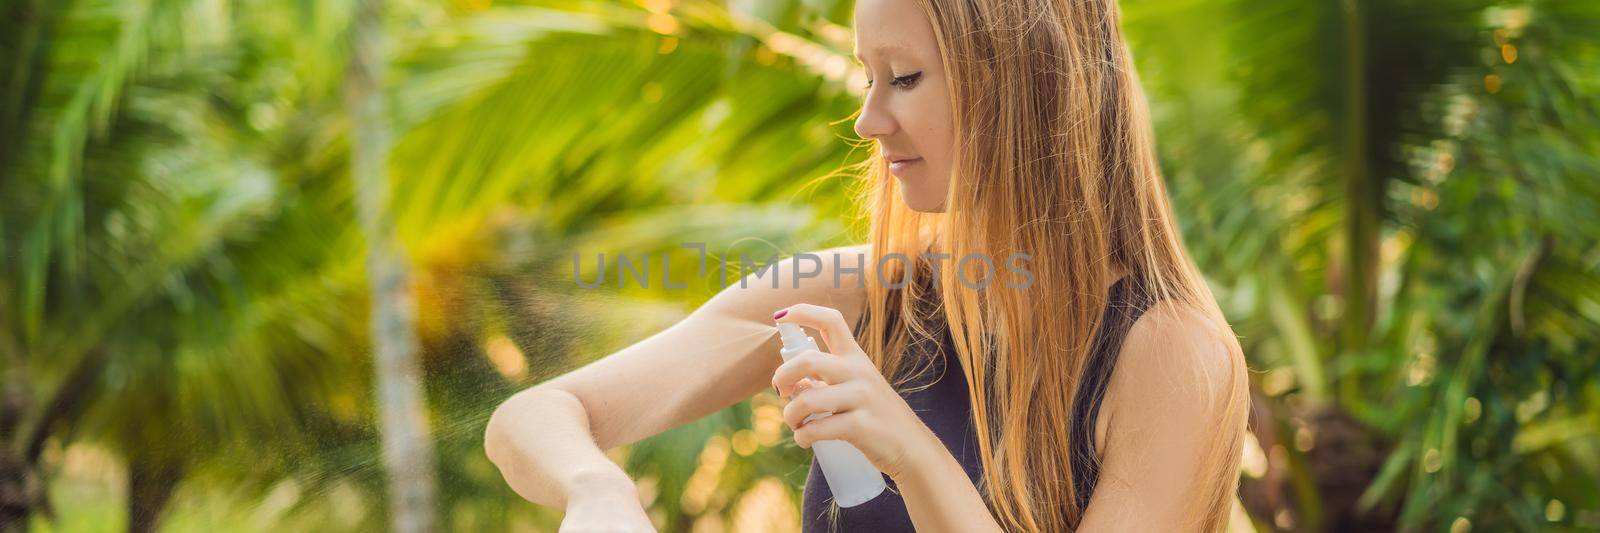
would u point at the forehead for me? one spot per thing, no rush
(886, 27)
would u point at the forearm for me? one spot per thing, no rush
(541, 442)
(939, 496)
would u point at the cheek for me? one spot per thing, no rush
(935, 135)
(930, 123)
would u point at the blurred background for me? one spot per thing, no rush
(269, 265)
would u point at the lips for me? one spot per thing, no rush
(901, 165)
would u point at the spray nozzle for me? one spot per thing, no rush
(792, 335)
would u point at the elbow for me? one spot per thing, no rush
(507, 441)
(495, 433)
(499, 434)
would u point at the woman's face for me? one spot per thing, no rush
(907, 105)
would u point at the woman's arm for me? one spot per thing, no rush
(1176, 411)
(547, 440)
(939, 496)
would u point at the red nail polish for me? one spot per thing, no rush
(780, 314)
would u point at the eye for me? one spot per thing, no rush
(904, 82)
(908, 81)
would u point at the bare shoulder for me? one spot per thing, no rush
(1179, 358)
(1178, 406)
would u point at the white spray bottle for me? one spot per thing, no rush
(850, 475)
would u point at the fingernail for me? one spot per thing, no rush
(780, 314)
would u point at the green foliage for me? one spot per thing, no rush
(1394, 201)
(1474, 139)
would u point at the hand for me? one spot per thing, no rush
(867, 412)
(605, 511)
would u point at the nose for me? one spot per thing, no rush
(874, 122)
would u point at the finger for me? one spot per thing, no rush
(826, 399)
(837, 427)
(817, 368)
(806, 384)
(799, 386)
(827, 321)
(803, 385)
(810, 364)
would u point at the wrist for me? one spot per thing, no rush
(923, 459)
(605, 483)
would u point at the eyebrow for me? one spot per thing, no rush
(878, 51)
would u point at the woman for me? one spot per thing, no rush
(1104, 392)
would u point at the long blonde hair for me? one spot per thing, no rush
(1054, 159)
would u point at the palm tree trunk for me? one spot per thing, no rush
(21, 492)
(407, 450)
(19, 489)
(1363, 192)
(150, 488)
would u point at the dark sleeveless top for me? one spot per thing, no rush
(943, 406)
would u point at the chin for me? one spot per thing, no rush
(922, 201)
